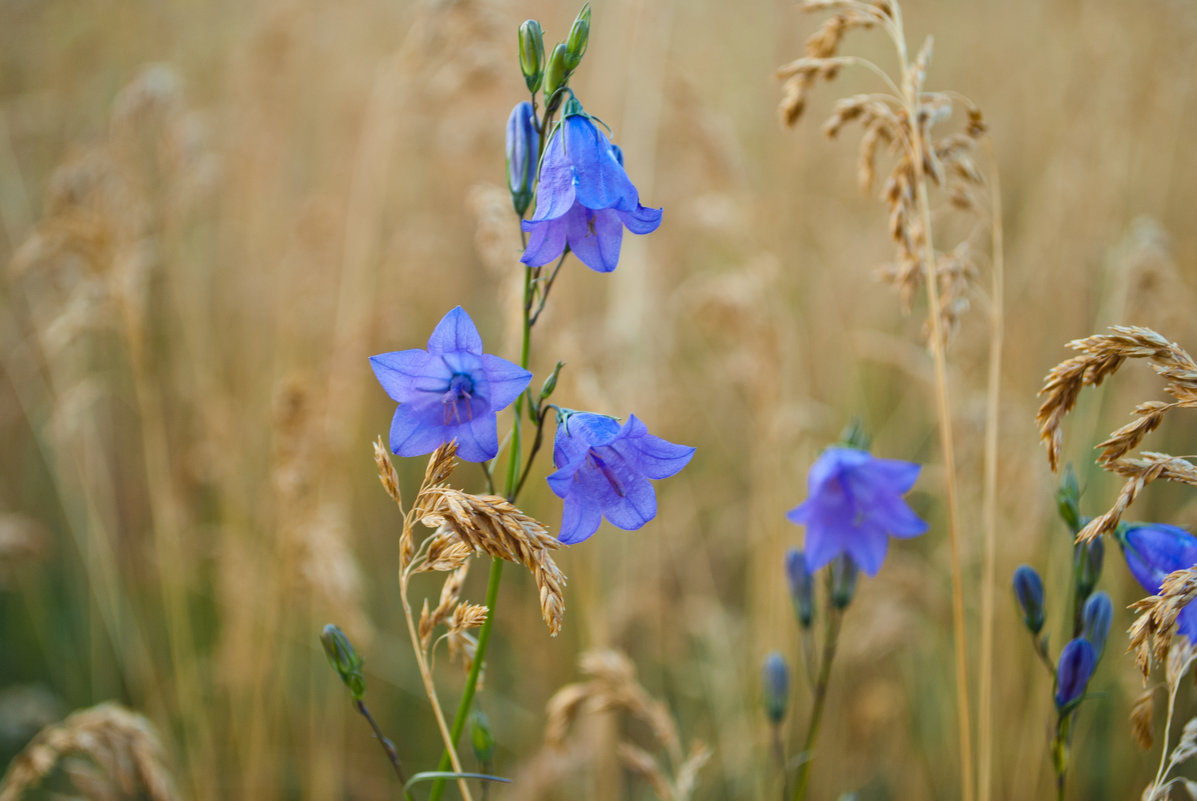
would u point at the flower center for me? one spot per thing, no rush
(461, 388)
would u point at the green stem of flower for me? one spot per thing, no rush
(496, 566)
(830, 638)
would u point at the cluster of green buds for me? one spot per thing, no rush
(552, 75)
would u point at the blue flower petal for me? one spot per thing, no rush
(555, 193)
(413, 433)
(507, 380)
(642, 220)
(599, 179)
(402, 373)
(657, 458)
(477, 439)
(579, 520)
(547, 242)
(455, 332)
(867, 546)
(897, 476)
(898, 518)
(595, 237)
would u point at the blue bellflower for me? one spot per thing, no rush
(584, 200)
(603, 470)
(1028, 591)
(450, 391)
(854, 506)
(1152, 551)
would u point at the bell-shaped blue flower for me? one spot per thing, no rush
(584, 199)
(1077, 661)
(854, 505)
(603, 470)
(450, 391)
(1152, 551)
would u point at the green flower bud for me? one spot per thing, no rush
(1068, 500)
(344, 660)
(481, 738)
(531, 42)
(579, 38)
(855, 436)
(550, 383)
(555, 76)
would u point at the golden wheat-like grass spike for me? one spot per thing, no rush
(1141, 718)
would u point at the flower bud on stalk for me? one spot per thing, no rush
(531, 48)
(555, 76)
(344, 660)
(802, 587)
(1068, 500)
(1077, 661)
(1089, 556)
(775, 679)
(1028, 591)
(523, 144)
(844, 575)
(579, 38)
(481, 738)
(1095, 621)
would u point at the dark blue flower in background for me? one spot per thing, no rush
(603, 470)
(450, 391)
(1096, 617)
(1152, 551)
(854, 506)
(585, 199)
(1077, 661)
(1028, 591)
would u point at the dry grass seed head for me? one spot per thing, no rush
(1153, 635)
(1141, 716)
(121, 743)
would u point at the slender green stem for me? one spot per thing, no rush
(387, 745)
(830, 638)
(496, 566)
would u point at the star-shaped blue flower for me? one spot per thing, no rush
(585, 199)
(1152, 551)
(603, 470)
(450, 391)
(854, 506)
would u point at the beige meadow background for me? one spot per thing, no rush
(212, 213)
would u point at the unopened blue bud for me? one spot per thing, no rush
(344, 660)
(1095, 621)
(555, 76)
(1077, 661)
(802, 587)
(1068, 499)
(579, 38)
(617, 151)
(1089, 557)
(775, 680)
(523, 143)
(844, 575)
(531, 39)
(1028, 591)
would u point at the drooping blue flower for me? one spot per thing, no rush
(854, 505)
(1096, 617)
(1077, 661)
(450, 391)
(1152, 551)
(603, 470)
(1028, 591)
(585, 198)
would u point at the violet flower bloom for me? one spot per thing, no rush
(585, 199)
(1152, 551)
(854, 506)
(603, 470)
(450, 391)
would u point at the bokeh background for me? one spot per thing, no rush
(212, 213)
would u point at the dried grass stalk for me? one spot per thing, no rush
(492, 525)
(1141, 718)
(122, 744)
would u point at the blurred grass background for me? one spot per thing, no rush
(212, 213)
